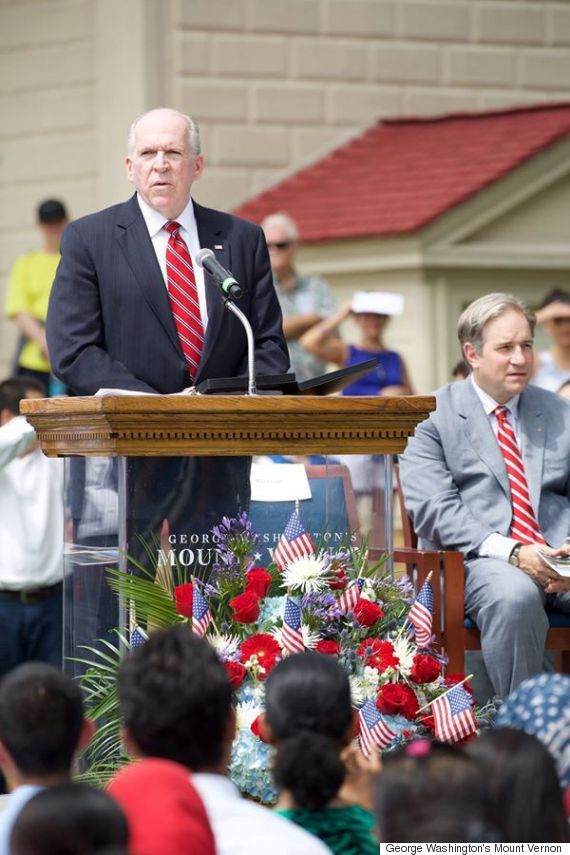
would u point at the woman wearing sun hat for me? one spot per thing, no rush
(552, 368)
(371, 310)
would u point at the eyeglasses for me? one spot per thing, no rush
(283, 244)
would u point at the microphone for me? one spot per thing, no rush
(230, 287)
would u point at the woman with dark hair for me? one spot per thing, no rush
(69, 819)
(309, 719)
(431, 792)
(523, 785)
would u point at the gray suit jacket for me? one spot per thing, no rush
(454, 477)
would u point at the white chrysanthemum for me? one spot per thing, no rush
(225, 646)
(246, 713)
(364, 685)
(368, 591)
(307, 574)
(310, 639)
(405, 651)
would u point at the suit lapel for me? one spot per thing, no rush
(533, 433)
(136, 244)
(212, 236)
(480, 434)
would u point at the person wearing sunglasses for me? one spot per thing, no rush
(305, 300)
(552, 366)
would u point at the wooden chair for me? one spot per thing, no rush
(456, 632)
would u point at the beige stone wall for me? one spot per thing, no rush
(274, 84)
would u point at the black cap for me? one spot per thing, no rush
(51, 211)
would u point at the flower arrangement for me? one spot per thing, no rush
(329, 599)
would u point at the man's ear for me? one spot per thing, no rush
(198, 167)
(87, 733)
(470, 354)
(6, 416)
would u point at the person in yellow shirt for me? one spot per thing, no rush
(29, 288)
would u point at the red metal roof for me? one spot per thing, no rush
(401, 174)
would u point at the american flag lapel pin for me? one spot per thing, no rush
(218, 246)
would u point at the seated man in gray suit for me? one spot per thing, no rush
(489, 474)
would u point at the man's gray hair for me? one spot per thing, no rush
(472, 322)
(282, 219)
(193, 130)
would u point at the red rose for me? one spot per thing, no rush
(183, 598)
(331, 648)
(425, 669)
(339, 582)
(428, 721)
(398, 699)
(245, 607)
(258, 580)
(367, 613)
(265, 648)
(254, 727)
(236, 673)
(378, 654)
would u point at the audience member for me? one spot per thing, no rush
(488, 474)
(433, 793)
(165, 813)
(309, 719)
(371, 311)
(29, 288)
(31, 535)
(176, 704)
(42, 727)
(523, 786)
(552, 366)
(304, 300)
(460, 370)
(541, 706)
(69, 819)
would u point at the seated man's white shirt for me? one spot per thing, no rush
(497, 545)
(243, 827)
(31, 511)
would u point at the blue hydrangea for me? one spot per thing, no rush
(249, 767)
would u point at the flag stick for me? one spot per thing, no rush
(425, 706)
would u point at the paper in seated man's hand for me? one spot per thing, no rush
(538, 562)
(558, 560)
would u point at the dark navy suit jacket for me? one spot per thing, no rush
(109, 323)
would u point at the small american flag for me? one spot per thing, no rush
(292, 632)
(421, 615)
(201, 614)
(293, 543)
(453, 715)
(374, 732)
(349, 598)
(138, 637)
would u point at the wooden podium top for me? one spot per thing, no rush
(180, 425)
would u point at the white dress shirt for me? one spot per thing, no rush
(243, 827)
(155, 222)
(497, 545)
(15, 802)
(31, 511)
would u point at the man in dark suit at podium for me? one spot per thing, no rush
(130, 310)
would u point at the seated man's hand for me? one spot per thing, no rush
(532, 564)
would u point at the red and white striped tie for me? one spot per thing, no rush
(183, 296)
(524, 525)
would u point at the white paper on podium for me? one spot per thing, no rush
(279, 482)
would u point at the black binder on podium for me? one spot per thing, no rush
(286, 384)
